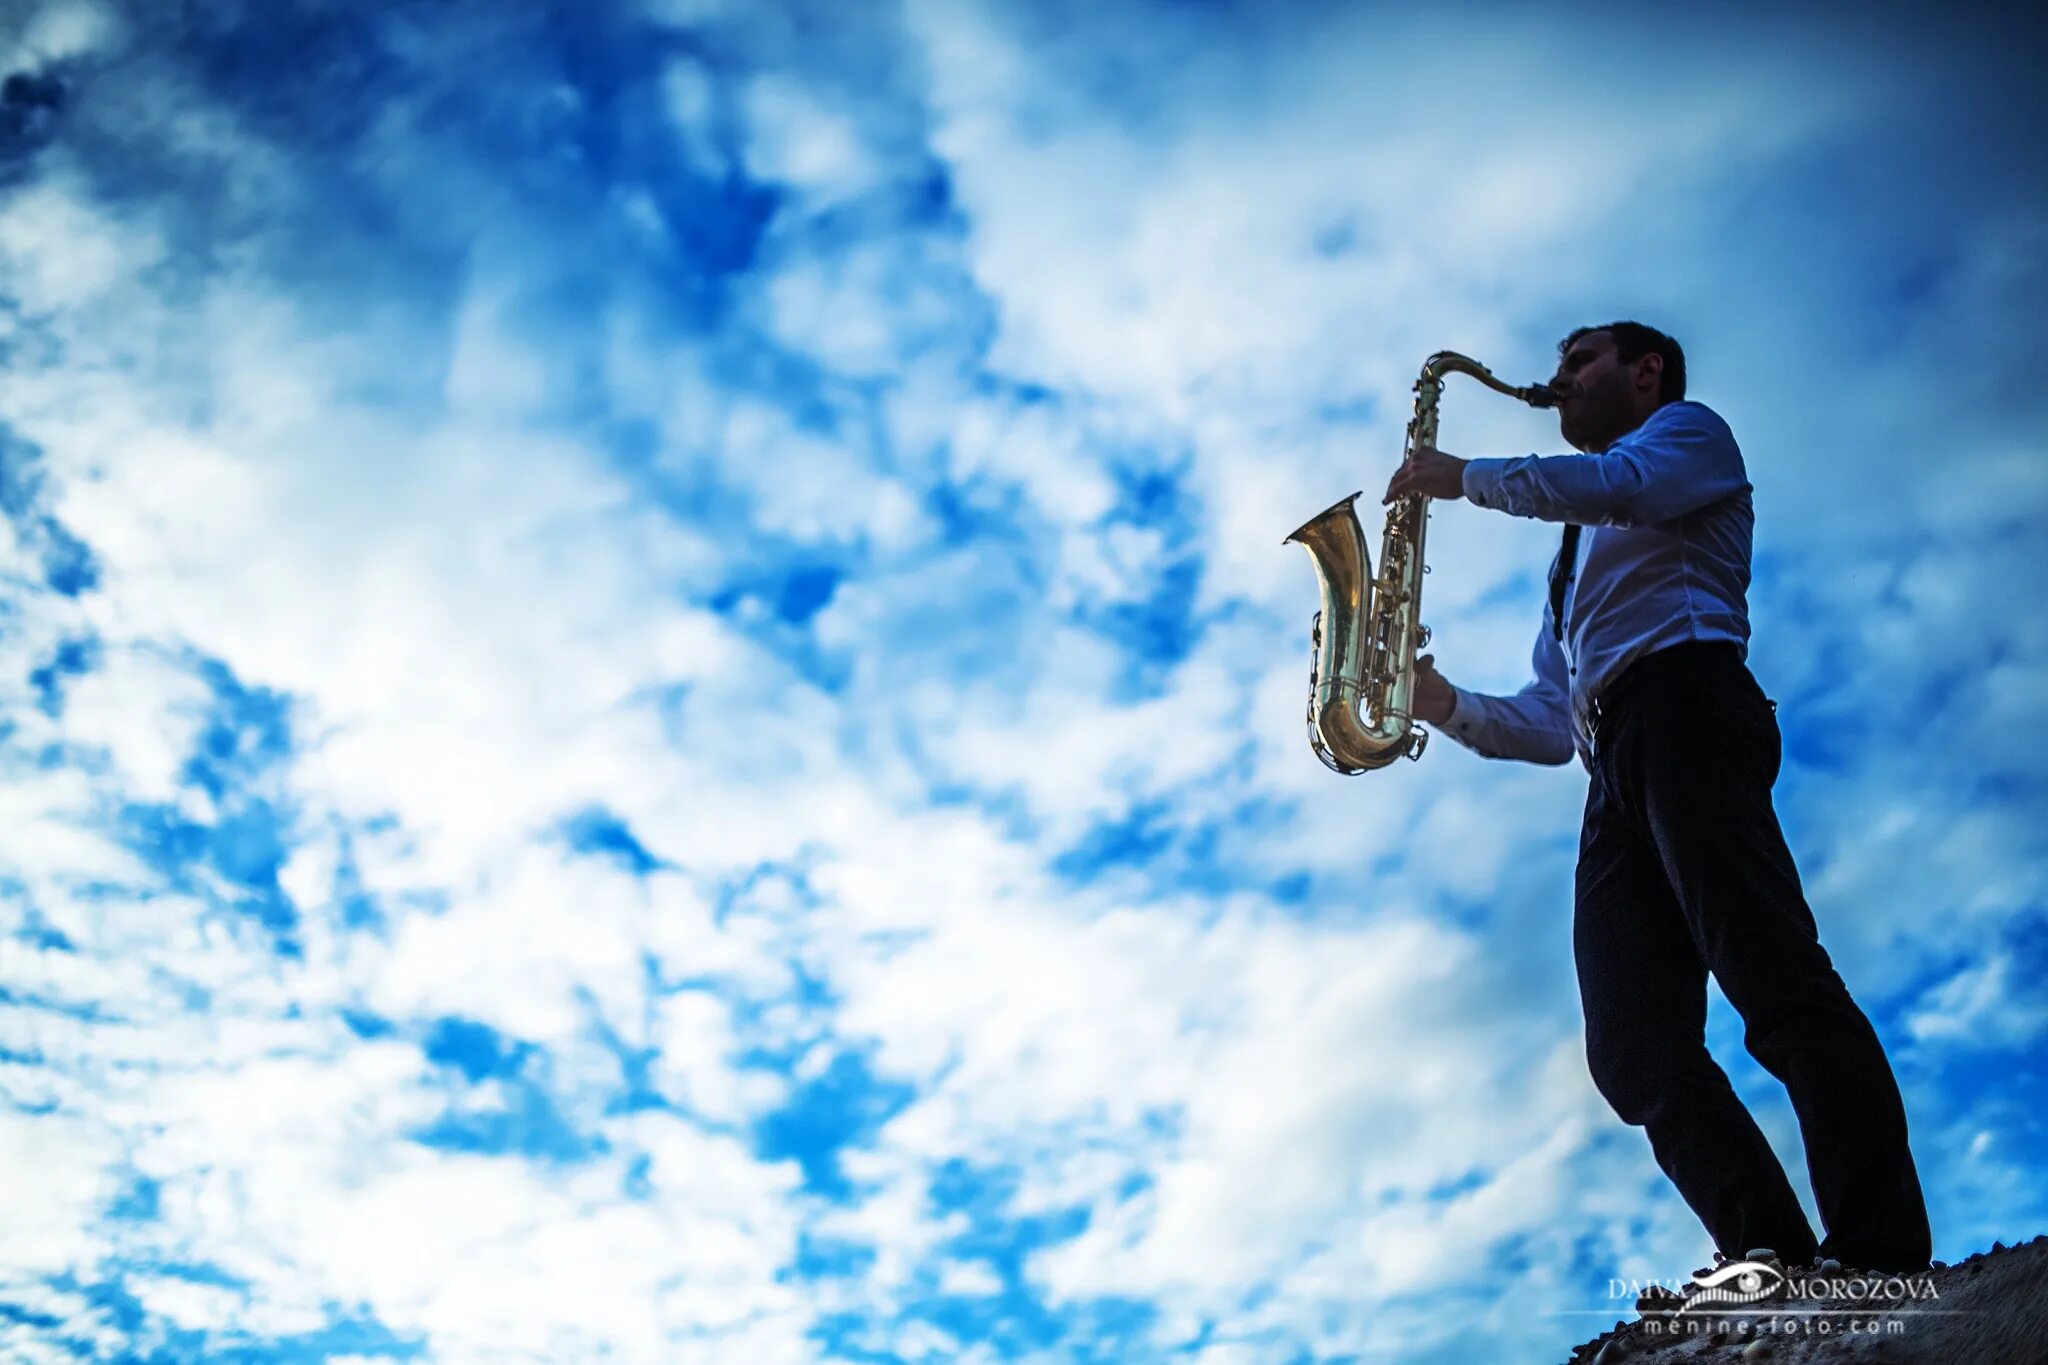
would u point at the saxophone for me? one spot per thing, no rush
(1366, 635)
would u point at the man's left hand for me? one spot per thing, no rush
(1429, 471)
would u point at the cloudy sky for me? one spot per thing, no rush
(652, 705)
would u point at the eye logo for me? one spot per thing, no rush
(1738, 1282)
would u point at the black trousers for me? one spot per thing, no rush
(1683, 870)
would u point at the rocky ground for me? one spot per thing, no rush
(1992, 1310)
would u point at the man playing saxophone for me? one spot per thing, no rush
(1640, 670)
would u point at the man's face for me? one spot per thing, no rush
(1599, 403)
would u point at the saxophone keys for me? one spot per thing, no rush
(1421, 636)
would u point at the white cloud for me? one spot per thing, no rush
(62, 254)
(799, 141)
(1980, 1006)
(68, 31)
(52, 1230)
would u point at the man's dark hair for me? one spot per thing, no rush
(1633, 341)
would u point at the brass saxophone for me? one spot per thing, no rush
(1366, 636)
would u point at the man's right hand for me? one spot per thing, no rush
(1433, 697)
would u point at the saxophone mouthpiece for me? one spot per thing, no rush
(1542, 396)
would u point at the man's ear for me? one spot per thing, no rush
(1651, 365)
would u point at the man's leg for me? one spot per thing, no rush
(1644, 989)
(1705, 750)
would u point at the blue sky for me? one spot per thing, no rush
(652, 702)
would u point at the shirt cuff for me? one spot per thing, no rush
(1466, 713)
(1481, 481)
(1467, 720)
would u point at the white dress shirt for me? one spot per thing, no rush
(1664, 558)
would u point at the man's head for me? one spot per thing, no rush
(1612, 377)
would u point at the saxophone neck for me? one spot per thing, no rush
(1450, 362)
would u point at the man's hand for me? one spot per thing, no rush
(1429, 471)
(1433, 698)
